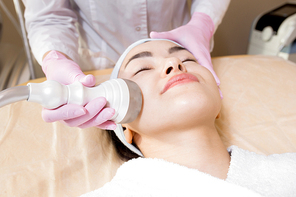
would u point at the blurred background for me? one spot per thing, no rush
(231, 38)
(14, 64)
(9, 33)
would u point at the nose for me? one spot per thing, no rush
(173, 65)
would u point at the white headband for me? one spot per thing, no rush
(119, 130)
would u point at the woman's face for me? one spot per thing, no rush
(177, 91)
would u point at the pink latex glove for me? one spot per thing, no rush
(194, 36)
(59, 68)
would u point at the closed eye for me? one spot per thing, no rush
(189, 60)
(142, 69)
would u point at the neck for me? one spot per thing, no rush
(199, 148)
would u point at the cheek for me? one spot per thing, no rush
(150, 106)
(151, 103)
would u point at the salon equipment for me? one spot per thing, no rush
(122, 95)
(274, 33)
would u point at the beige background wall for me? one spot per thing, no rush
(9, 33)
(231, 37)
(11, 38)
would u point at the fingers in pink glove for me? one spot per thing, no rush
(199, 30)
(88, 80)
(163, 35)
(58, 67)
(95, 115)
(64, 112)
(92, 108)
(110, 125)
(101, 120)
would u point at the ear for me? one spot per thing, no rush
(218, 116)
(128, 135)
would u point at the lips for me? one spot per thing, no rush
(179, 79)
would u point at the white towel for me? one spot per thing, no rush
(273, 175)
(154, 177)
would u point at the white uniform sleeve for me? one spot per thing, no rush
(51, 26)
(214, 8)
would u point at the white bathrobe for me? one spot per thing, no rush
(273, 175)
(249, 174)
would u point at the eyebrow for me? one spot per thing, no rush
(139, 55)
(149, 54)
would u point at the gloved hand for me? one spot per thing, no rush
(59, 68)
(194, 36)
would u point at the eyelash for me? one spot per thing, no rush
(142, 69)
(189, 60)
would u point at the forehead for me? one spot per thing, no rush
(153, 45)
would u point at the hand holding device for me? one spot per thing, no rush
(59, 68)
(122, 95)
(115, 100)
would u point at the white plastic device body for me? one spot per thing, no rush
(123, 95)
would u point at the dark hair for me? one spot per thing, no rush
(123, 152)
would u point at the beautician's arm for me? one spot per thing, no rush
(51, 26)
(213, 8)
(54, 42)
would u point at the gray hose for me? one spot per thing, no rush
(14, 94)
